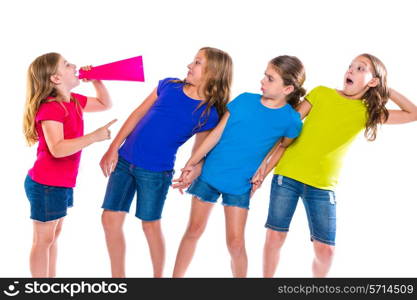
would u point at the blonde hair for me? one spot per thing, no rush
(39, 88)
(376, 98)
(217, 78)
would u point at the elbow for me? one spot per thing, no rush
(107, 104)
(55, 152)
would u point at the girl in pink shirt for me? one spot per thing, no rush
(53, 117)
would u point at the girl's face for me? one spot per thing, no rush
(195, 75)
(66, 75)
(359, 77)
(272, 85)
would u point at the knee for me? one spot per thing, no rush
(110, 222)
(58, 231)
(236, 245)
(150, 227)
(275, 239)
(324, 252)
(45, 240)
(194, 230)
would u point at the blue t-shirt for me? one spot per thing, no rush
(168, 124)
(251, 131)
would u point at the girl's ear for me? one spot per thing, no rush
(55, 79)
(373, 82)
(288, 89)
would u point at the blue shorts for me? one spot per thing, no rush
(208, 193)
(320, 206)
(151, 188)
(47, 203)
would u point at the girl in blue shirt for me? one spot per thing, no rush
(235, 149)
(169, 116)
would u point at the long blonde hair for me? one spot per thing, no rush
(376, 98)
(39, 88)
(217, 78)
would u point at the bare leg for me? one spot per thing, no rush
(273, 243)
(235, 238)
(43, 238)
(53, 250)
(323, 258)
(156, 245)
(113, 228)
(200, 212)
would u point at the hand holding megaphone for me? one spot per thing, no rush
(130, 69)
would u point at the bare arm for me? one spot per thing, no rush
(110, 158)
(101, 102)
(304, 108)
(277, 154)
(188, 174)
(60, 147)
(209, 142)
(133, 119)
(407, 113)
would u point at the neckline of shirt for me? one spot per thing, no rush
(348, 99)
(270, 108)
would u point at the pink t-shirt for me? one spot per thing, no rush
(62, 171)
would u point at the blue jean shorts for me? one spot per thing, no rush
(208, 193)
(151, 188)
(47, 203)
(320, 206)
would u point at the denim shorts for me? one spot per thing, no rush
(208, 193)
(320, 206)
(151, 188)
(47, 202)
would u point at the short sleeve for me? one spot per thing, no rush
(81, 99)
(232, 105)
(163, 83)
(213, 120)
(51, 111)
(294, 129)
(313, 95)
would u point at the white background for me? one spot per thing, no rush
(376, 195)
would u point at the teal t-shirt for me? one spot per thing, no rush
(251, 131)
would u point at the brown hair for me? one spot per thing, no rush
(39, 88)
(217, 82)
(376, 98)
(291, 70)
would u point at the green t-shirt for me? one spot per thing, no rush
(332, 124)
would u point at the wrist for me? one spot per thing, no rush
(91, 137)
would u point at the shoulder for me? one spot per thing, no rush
(166, 83)
(244, 97)
(249, 96)
(293, 114)
(81, 99)
(317, 93)
(321, 89)
(50, 106)
(52, 110)
(78, 96)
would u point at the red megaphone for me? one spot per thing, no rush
(130, 69)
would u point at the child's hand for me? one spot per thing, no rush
(103, 133)
(109, 161)
(258, 178)
(86, 68)
(188, 175)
